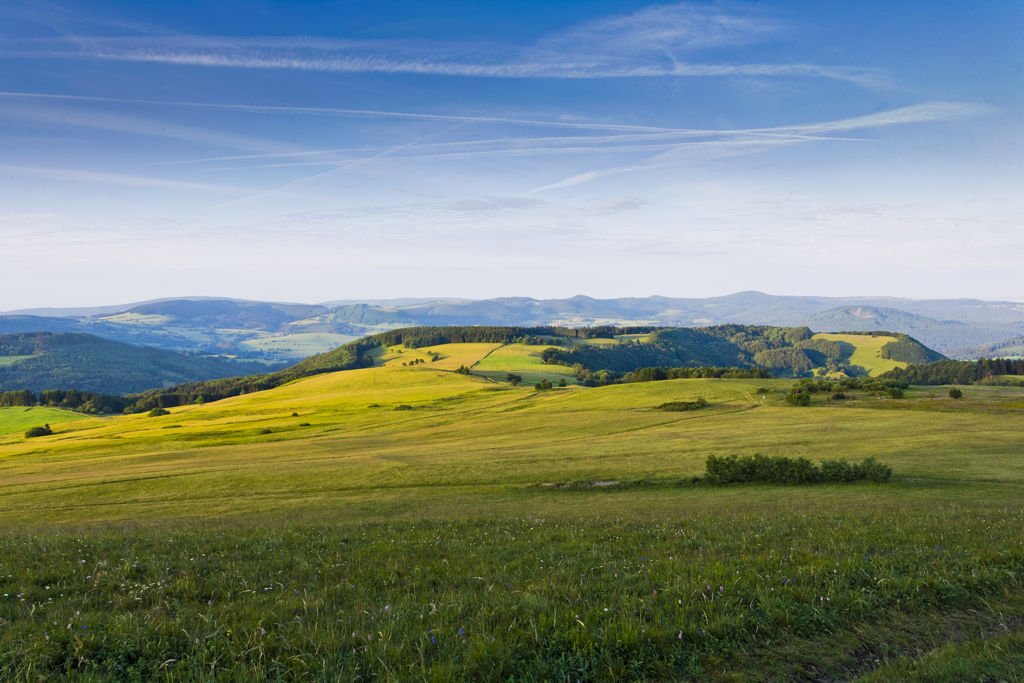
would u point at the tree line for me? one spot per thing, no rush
(69, 399)
(958, 371)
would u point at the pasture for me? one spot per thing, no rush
(407, 521)
(867, 351)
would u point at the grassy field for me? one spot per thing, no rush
(407, 521)
(11, 360)
(523, 360)
(19, 419)
(867, 351)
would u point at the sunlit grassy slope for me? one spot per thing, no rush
(523, 360)
(867, 351)
(408, 521)
(366, 433)
(18, 419)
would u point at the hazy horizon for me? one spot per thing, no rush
(395, 300)
(317, 151)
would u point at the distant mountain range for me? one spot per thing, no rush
(253, 329)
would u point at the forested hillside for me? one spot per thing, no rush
(41, 361)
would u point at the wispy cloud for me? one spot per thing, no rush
(924, 112)
(350, 112)
(644, 44)
(667, 28)
(118, 179)
(753, 140)
(65, 115)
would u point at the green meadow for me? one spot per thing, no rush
(18, 419)
(406, 521)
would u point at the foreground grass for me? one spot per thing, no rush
(535, 597)
(314, 531)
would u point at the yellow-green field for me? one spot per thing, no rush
(867, 351)
(466, 431)
(11, 360)
(523, 360)
(407, 521)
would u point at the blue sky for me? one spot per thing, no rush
(315, 151)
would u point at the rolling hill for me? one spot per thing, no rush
(590, 356)
(41, 361)
(410, 520)
(283, 331)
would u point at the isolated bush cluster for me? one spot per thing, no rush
(732, 469)
(682, 406)
(38, 431)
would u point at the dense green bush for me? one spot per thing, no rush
(682, 406)
(798, 398)
(38, 431)
(158, 411)
(955, 393)
(782, 470)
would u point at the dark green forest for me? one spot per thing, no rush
(88, 363)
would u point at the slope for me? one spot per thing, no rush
(42, 361)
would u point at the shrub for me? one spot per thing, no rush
(872, 470)
(542, 385)
(839, 396)
(38, 431)
(782, 470)
(798, 398)
(513, 379)
(158, 411)
(681, 406)
(403, 406)
(955, 393)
